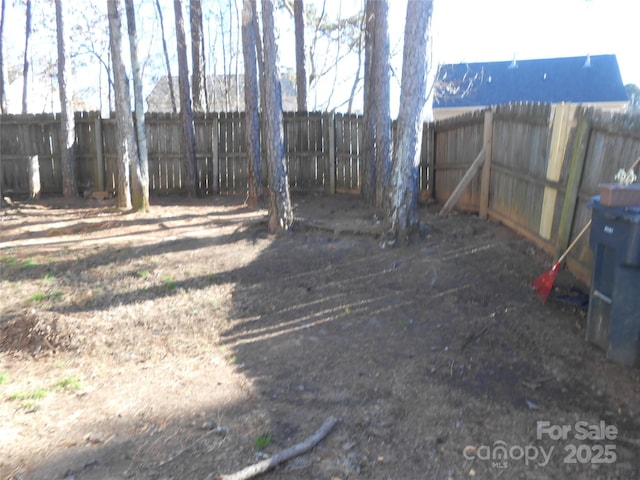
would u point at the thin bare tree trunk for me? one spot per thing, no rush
(301, 69)
(25, 67)
(140, 164)
(225, 74)
(280, 212)
(197, 61)
(186, 112)
(251, 107)
(3, 95)
(166, 59)
(67, 120)
(237, 56)
(127, 149)
(205, 88)
(413, 98)
(369, 120)
(356, 80)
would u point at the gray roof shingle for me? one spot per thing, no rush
(586, 79)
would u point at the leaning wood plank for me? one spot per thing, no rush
(284, 455)
(466, 180)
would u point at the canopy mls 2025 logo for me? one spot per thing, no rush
(585, 443)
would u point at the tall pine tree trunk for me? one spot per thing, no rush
(140, 164)
(67, 120)
(197, 55)
(251, 102)
(127, 150)
(301, 69)
(381, 74)
(280, 212)
(260, 58)
(186, 111)
(413, 99)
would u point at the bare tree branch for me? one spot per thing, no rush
(284, 455)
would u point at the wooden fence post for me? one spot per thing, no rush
(431, 159)
(485, 181)
(100, 169)
(563, 113)
(215, 153)
(331, 125)
(573, 185)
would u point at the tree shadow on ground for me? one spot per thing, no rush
(421, 352)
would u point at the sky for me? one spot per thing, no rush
(492, 30)
(463, 31)
(501, 30)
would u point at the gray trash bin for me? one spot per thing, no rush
(613, 321)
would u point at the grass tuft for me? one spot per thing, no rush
(29, 264)
(38, 297)
(8, 261)
(69, 383)
(55, 294)
(169, 282)
(37, 394)
(262, 441)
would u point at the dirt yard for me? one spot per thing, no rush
(186, 343)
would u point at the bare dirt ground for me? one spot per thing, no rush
(186, 343)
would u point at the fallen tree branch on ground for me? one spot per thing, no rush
(284, 455)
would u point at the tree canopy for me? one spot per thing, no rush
(333, 51)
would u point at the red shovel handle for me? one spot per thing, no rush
(586, 227)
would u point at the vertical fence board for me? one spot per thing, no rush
(519, 159)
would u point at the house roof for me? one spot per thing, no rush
(221, 91)
(586, 79)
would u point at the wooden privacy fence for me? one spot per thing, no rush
(322, 152)
(542, 163)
